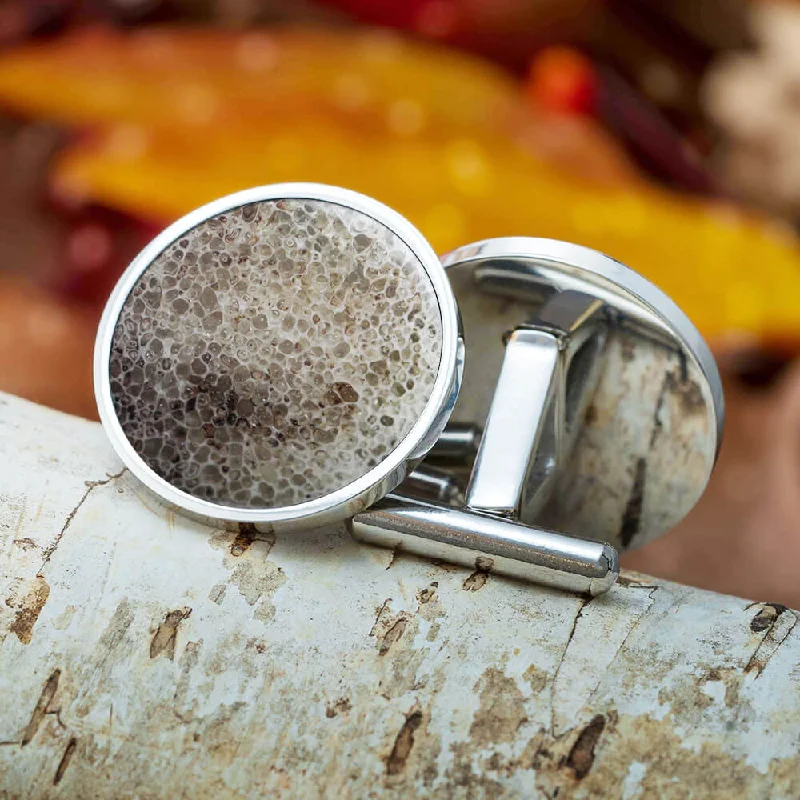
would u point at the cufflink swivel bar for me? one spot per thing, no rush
(548, 375)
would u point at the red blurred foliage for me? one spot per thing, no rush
(562, 80)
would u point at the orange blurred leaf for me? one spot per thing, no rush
(182, 117)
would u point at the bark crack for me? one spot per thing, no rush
(403, 744)
(632, 516)
(28, 609)
(771, 641)
(90, 487)
(584, 602)
(393, 634)
(766, 617)
(247, 534)
(39, 711)
(378, 614)
(581, 756)
(475, 581)
(632, 583)
(163, 643)
(395, 553)
(658, 425)
(651, 593)
(65, 759)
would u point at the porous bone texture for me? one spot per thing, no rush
(275, 353)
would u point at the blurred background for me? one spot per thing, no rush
(664, 133)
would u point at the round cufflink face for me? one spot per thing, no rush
(281, 354)
(629, 432)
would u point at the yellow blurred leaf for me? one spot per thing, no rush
(206, 81)
(206, 76)
(181, 118)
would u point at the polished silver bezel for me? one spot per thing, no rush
(382, 478)
(573, 266)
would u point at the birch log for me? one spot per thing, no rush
(144, 655)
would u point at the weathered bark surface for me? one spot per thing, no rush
(144, 655)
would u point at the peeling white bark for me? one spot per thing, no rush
(144, 655)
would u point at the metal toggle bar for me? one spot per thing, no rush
(515, 423)
(549, 373)
(538, 400)
(481, 541)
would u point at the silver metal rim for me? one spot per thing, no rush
(382, 478)
(576, 257)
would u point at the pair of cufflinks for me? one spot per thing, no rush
(294, 355)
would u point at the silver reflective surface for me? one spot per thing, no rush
(376, 479)
(489, 544)
(629, 410)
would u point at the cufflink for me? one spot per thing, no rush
(601, 412)
(283, 356)
(287, 356)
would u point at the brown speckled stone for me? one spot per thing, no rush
(275, 353)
